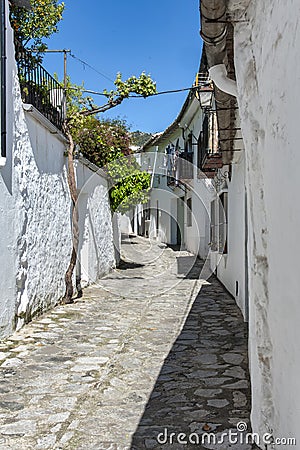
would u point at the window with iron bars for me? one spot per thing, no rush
(219, 224)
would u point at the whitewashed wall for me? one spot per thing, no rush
(125, 223)
(230, 267)
(36, 211)
(35, 207)
(35, 217)
(96, 242)
(268, 73)
(7, 218)
(42, 215)
(161, 197)
(197, 235)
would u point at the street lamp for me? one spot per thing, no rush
(203, 89)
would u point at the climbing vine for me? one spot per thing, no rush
(106, 143)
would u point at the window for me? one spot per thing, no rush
(203, 143)
(218, 223)
(185, 166)
(223, 212)
(213, 227)
(189, 212)
(171, 153)
(188, 147)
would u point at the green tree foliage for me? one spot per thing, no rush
(139, 138)
(126, 190)
(106, 143)
(102, 140)
(41, 22)
(130, 186)
(142, 85)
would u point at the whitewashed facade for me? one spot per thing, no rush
(97, 253)
(228, 260)
(35, 212)
(262, 206)
(259, 263)
(268, 70)
(178, 211)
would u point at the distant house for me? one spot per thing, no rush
(178, 209)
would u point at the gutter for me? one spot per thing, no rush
(214, 29)
(218, 34)
(3, 83)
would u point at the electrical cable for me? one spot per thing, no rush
(91, 67)
(132, 95)
(150, 95)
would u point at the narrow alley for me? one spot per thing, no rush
(139, 357)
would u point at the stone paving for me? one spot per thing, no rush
(140, 356)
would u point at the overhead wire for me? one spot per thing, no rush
(88, 91)
(145, 96)
(130, 96)
(91, 67)
(109, 79)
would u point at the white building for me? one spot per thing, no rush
(259, 45)
(178, 212)
(253, 215)
(35, 218)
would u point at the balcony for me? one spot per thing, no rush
(210, 162)
(209, 155)
(39, 88)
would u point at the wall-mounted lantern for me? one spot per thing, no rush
(204, 90)
(205, 96)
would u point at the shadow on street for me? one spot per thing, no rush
(203, 385)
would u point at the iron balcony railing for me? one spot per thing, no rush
(39, 88)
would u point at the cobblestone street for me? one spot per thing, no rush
(141, 353)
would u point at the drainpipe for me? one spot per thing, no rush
(3, 83)
(218, 74)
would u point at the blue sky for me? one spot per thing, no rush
(160, 37)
